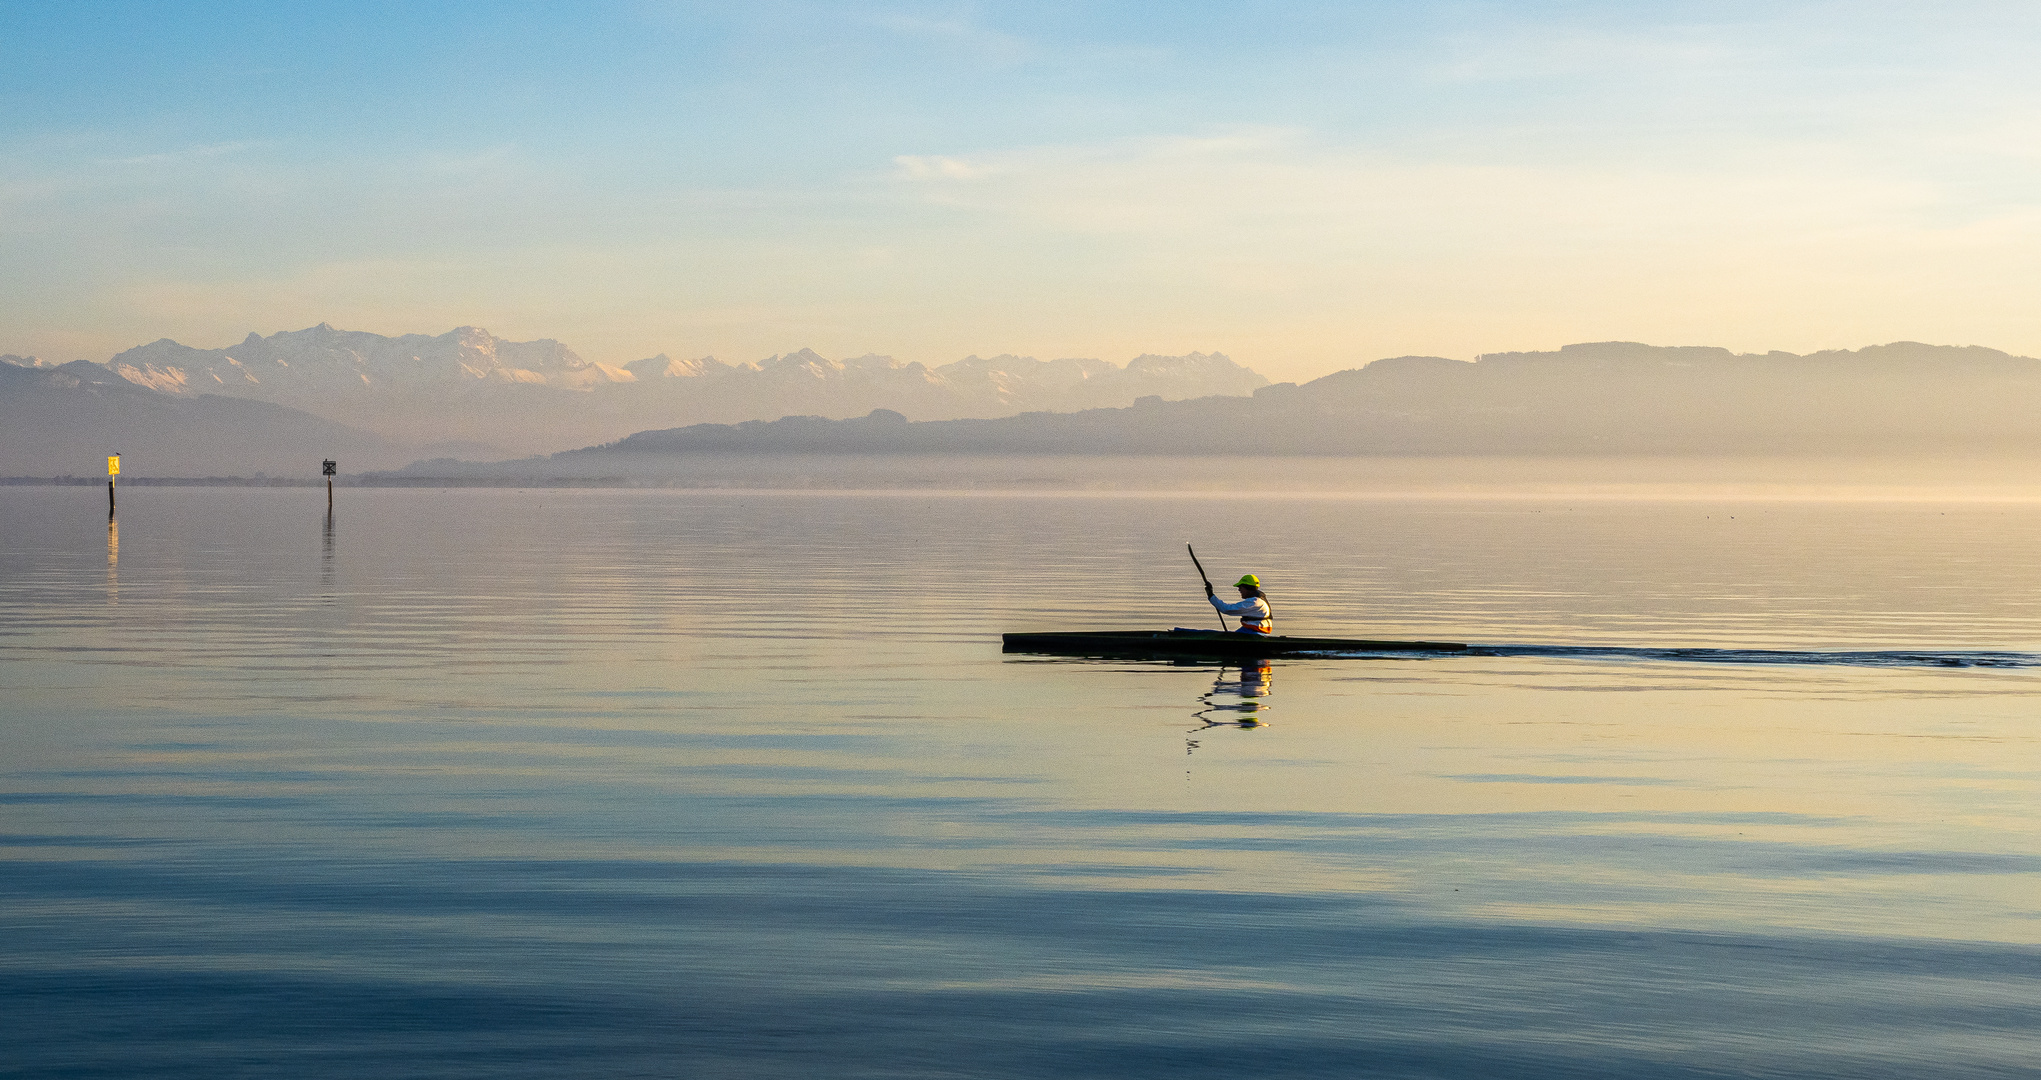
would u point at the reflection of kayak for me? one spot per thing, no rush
(1203, 643)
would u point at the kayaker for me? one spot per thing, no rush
(1253, 607)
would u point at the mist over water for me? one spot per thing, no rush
(736, 782)
(1662, 478)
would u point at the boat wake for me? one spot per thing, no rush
(1878, 658)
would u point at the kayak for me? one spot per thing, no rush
(1211, 643)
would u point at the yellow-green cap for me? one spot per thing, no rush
(1248, 580)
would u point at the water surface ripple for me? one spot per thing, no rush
(653, 783)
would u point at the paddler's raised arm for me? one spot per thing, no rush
(1252, 608)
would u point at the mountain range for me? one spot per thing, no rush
(524, 397)
(1601, 399)
(58, 420)
(383, 401)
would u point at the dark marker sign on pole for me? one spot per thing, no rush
(328, 468)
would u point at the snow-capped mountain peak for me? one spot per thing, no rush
(322, 359)
(537, 395)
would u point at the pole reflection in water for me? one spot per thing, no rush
(326, 558)
(112, 561)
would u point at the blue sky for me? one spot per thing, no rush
(1303, 186)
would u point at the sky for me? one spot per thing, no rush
(1302, 186)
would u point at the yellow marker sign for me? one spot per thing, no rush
(113, 465)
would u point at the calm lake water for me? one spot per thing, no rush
(664, 783)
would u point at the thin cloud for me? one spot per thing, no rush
(189, 153)
(479, 161)
(1283, 191)
(928, 168)
(955, 32)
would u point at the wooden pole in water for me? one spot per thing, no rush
(112, 470)
(329, 467)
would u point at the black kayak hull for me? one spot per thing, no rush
(1204, 643)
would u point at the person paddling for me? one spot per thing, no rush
(1253, 607)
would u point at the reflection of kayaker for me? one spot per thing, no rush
(1256, 681)
(1252, 608)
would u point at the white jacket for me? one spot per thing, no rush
(1253, 611)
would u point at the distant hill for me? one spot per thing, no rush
(1609, 398)
(521, 397)
(59, 420)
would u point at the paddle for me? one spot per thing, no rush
(1206, 580)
